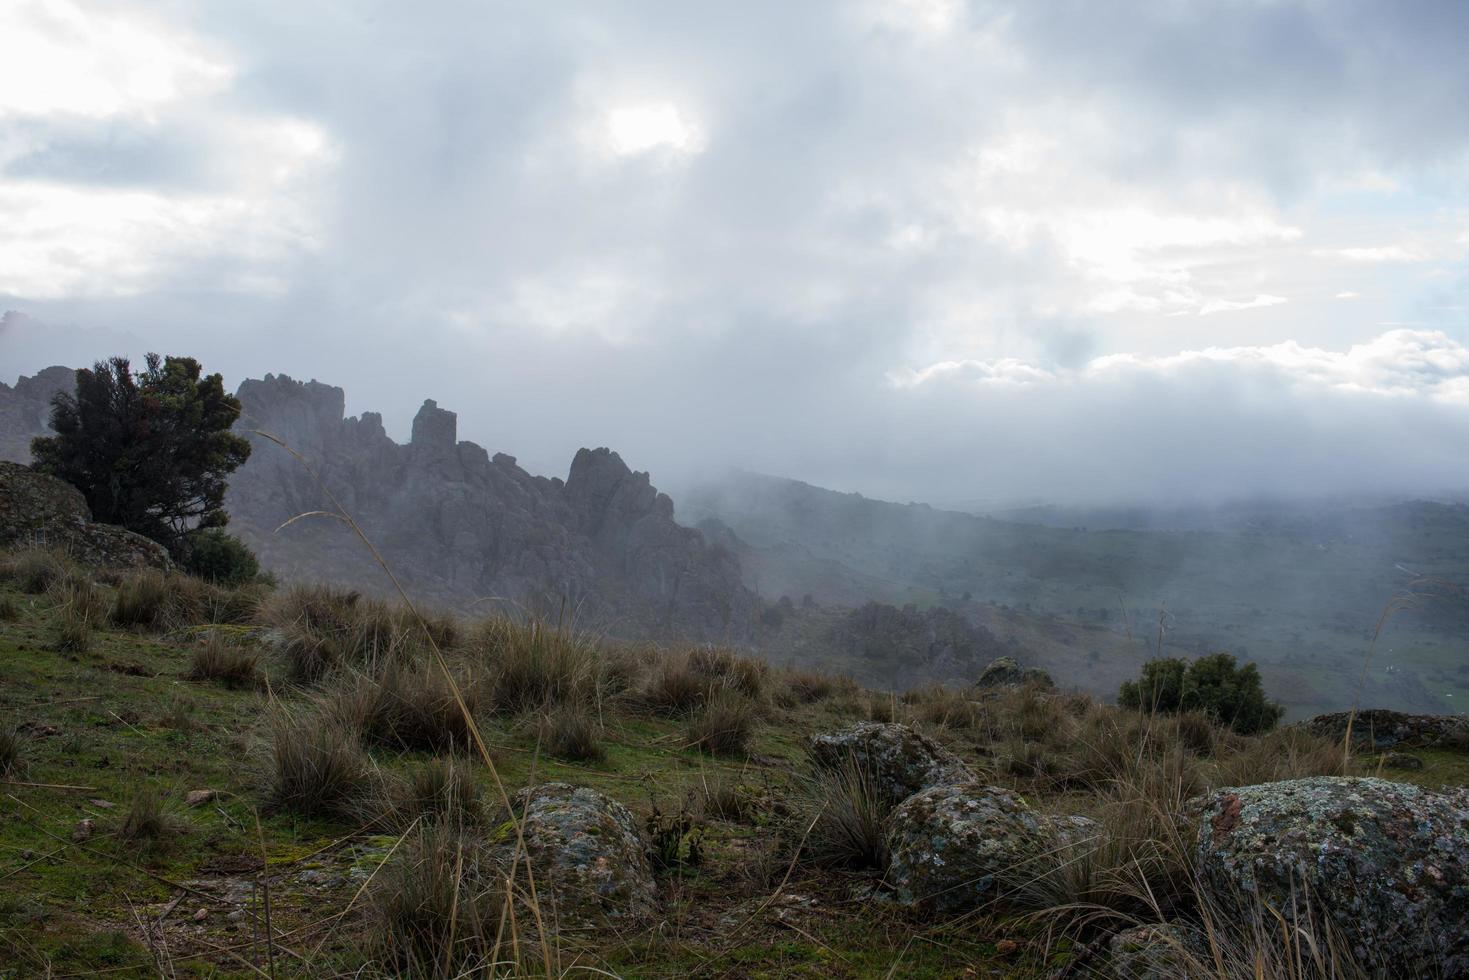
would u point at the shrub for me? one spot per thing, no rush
(676, 840)
(724, 726)
(573, 734)
(1232, 695)
(217, 556)
(237, 668)
(314, 768)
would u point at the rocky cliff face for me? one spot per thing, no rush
(25, 410)
(466, 529)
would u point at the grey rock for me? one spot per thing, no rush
(1389, 862)
(1158, 951)
(590, 863)
(956, 848)
(1007, 672)
(1401, 760)
(36, 509)
(458, 524)
(900, 760)
(1383, 729)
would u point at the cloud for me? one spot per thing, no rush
(706, 234)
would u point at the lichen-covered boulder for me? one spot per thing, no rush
(41, 510)
(1388, 862)
(954, 848)
(590, 863)
(1007, 672)
(1158, 951)
(1383, 729)
(899, 760)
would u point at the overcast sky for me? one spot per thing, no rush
(919, 248)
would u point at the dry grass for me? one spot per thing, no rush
(314, 767)
(146, 824)
(236, 667)
(673, 687)
(846, 812)
(34, 570)
(73, 630)
(13, 753)
(725, 668)
(724, 726)
(323, 629)
(809, 686)
(572, 734)
(161, 601)
(726, 798)
(443, 790)
(9, 609)
(534, 666)
(405, 707)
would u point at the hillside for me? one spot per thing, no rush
(211, 782)
(1302, 596)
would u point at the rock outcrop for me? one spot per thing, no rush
(1158, 951)
(1388, 862)
(25, 410)
(41, 510)
(956, 848)
(1381, 729)
(899, 761)
(591, 865)
(461, 527)
(1007, 672)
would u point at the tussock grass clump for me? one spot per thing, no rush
(77, 593)
(34, 570)
(572, 734)
(146, 822)
(323, 629)
(406, 707)
(142, 599)
(729, 669)
(13, 753)
(673, 687)
(724, 726)
(725, 798)
(443, 790)
(435, 908)
(161, 601)
(9, 609)
(236, 667)
(811, 686)
(942, 706)
(73, 630)
(847, 812)
(1285, 753)
(314, 767)
(533, 666)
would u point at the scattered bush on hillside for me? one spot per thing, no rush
(150, 451)
(217, 556)
(1215, 684)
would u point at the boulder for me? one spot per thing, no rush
(1387, 861)
(1401, 760)
(1158, 951)
(900, 760)
(590, 863)
(1382, 729)
(955, 848)
(36, 509)
(1007, 672)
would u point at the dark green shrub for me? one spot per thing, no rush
(1217, 685)
(217, 556)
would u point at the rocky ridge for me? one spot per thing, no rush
(463, 527)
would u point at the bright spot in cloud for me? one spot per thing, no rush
(1385, 253)
(1227, 305)
(1348, 295)
(638, 129)
(56, 57)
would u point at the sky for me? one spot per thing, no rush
(922, 249)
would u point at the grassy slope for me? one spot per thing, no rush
(119, 718)
(110, 722)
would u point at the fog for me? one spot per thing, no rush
(971, 254)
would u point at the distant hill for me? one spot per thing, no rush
(1299, 590)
